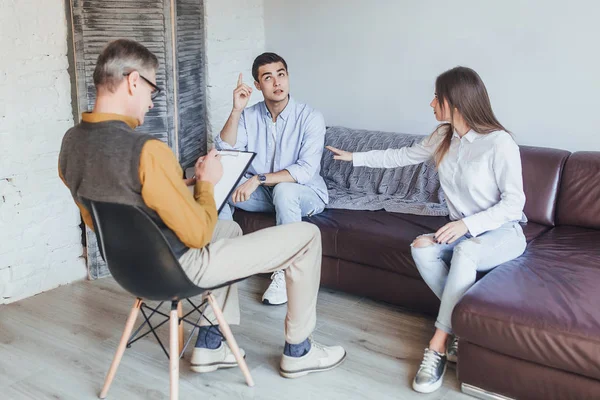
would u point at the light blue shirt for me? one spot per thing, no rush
(294, 142)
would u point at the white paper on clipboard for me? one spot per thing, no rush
(235, 164)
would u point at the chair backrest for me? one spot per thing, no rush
(137, 253)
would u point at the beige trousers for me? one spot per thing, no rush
(295, 248)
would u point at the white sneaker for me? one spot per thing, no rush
(318, 359)
(276, 294)
(208, 360)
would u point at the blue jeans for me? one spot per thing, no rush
(289, 201)
(451, 269)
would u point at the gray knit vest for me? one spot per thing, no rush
(100, 162)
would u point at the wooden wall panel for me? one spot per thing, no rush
(191, 80)
(179, 115)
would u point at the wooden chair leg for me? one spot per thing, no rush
(224, 326)
(174, 352)
(121, 348)
(179, 315)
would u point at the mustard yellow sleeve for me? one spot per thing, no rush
(192, 218)
(85, 215)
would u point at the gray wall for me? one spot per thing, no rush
(373, 64)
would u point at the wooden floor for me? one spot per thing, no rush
(59, 345)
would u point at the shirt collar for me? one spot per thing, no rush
(470, 136)
(94, 117)
(284, 114)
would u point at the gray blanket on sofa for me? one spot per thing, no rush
(413, 189)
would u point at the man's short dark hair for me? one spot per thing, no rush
(264, 59)
(120, 57)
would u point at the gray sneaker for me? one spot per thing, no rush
(430, 375)
(452, 349)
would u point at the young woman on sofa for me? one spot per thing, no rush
(480, 172)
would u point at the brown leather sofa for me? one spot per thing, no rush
(530, 329)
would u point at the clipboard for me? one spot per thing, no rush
(235, 164)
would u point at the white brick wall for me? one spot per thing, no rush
(235, 32)
(40, 245)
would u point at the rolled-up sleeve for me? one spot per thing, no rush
(241, 143)
(311, 150)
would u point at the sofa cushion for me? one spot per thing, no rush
(531, 230)
(382, 239)
(542, 169)
(252, 222)
(578, 202)
(542, 307)
(375, 238)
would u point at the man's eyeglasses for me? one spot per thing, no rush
(155, 89)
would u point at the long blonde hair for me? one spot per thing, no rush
(464, 90)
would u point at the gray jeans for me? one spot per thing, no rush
(451, 269)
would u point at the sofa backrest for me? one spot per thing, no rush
(579, 196)
(542, 170)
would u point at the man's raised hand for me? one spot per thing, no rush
(241, 95)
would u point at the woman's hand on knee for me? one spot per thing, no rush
(451, 232)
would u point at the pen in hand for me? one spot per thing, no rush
(209, 167)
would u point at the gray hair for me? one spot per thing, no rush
(121, 57)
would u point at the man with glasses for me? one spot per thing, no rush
(156, 90)
(103, 158)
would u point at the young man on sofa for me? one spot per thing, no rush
(288, 138)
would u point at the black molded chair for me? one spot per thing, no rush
(142, 262)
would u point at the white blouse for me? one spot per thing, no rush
(480, 175)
